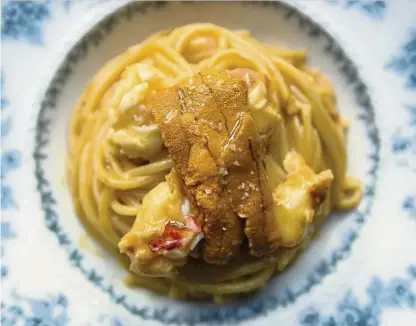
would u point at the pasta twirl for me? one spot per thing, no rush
(117, 156)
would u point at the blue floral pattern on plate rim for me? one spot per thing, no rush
(397, 292)
(260, 305)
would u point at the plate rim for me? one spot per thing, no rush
(48, 91)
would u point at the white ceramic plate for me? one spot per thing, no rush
(361, 269)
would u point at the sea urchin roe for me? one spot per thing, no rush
(240, 156)
(214, 161)
(196, 156)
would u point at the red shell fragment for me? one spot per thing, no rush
(174, 233)
(171, 237)
(172, 244)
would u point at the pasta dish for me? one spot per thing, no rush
(206, 160)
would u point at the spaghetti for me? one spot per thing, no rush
(117, 156)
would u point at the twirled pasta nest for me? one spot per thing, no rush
(209, 158)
